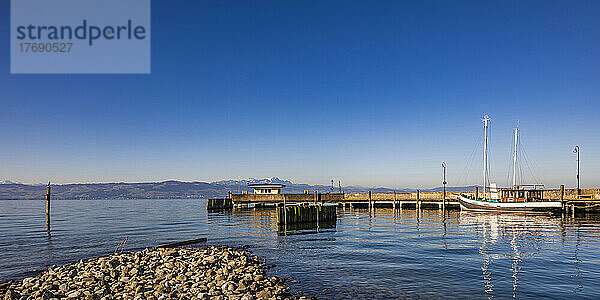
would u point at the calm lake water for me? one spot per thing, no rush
(367, 255)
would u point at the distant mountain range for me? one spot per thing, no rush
(8, 182)
(173, 189)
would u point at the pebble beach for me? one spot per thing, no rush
(153, 273)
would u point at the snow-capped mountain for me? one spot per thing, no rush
(253, 180)
(8, 182)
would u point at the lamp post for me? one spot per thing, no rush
(576, 150)
(444, 188)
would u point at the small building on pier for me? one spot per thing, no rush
(266, 188)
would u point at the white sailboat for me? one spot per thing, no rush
(518, 198)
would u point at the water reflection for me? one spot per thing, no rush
(577, 262)
(366, 254)
(518, 238)
(512, 250)
(306, 228)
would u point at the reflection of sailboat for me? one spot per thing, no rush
(519, 198)
(496, 224)
(515, 267)
(504, 237)
(485, 268)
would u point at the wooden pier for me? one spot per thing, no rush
(574, 200)
(353, 200)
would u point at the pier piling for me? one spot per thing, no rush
(306, 214)
(219, 203)
(284, 212)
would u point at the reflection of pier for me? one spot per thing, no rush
(306, 228)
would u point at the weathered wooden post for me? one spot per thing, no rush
(394, 205)
(476, 192)
(418, 200)
(369, 199)
(284, 211)
(317, 211)
(48, 206)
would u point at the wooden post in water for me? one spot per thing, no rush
(476, 192)
(394, 205)
(48, 206)
(284, 211)
(369, 199)
(418, 200)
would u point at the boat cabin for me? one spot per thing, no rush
(522, 193)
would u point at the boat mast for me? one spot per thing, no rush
(485, 120)
(515, 157)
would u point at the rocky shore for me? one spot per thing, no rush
(181, 273)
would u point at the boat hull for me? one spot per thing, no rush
(519, 207)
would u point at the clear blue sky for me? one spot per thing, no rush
(371, 93)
